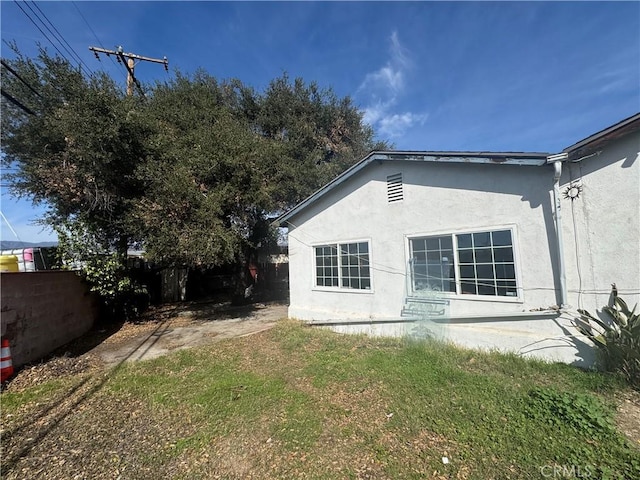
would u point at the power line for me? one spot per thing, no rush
(42, 32)
(92, 31)
(8, 67)
(16, 102)
(60, 36)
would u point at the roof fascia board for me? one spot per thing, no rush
(489, 158)
(630, 124)
(497, 158)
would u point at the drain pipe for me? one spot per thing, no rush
(557, 172)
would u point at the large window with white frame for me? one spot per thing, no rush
(343, 265)
(476, 263)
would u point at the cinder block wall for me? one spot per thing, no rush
(41, 311)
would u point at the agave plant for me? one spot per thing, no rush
(617, 337)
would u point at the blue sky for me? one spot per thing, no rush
(502, 76)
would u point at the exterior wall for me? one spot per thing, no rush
(42, 311)
(439, 198)
(602, 226)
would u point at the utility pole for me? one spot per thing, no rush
(129, 61)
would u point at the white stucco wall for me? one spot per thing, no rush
(600, 246)
(602, 226)
(438, 199)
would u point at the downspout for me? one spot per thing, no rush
(557, 172)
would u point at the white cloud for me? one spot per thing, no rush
(376, 111)
(396, 124)
(381, 90)
(384, 80)
(398, 55)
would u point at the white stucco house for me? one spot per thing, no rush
(492, 249)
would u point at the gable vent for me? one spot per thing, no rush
(394, 187)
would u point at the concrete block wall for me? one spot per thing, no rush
(41, 311)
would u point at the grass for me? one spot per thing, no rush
(297, 402)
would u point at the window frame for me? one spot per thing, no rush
(453, 234)
(341, 266)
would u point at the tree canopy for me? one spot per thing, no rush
(193, 171)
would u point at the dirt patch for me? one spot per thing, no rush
(158, 332)
(628, 417)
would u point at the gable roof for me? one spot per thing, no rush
(575, 153)
(496, 158)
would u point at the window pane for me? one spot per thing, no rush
(365, 283)
(486, 288)
(464, 241)
(446, 243)
(467, 271)
(363, 247)
(507, 288)
(484, 271)
(483, 255)
(433, 257)
(433, 243)
(503, 254)
(434, 272)
(505, 271)
(481, 240)
(501, 237)
(468, 288)
(420, 257)
(465, 256)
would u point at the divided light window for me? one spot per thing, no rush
(483, 263)
(343, 265)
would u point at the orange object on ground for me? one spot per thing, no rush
(6, 365)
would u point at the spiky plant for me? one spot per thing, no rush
(617, 337)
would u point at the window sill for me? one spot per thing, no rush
(472, 298)
(342, 290)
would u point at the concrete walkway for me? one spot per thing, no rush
(190, 328)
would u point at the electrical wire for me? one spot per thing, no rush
(395, 271)
(59, 37)
(95, 35)
(17, 75)
(42, 32)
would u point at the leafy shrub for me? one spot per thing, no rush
(617, 339)
(583, 413)
(103, 269)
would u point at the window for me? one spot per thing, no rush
(483, 263)
(432, 264)
(344, 265)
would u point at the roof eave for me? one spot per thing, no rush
(593, 143)
(493, 158)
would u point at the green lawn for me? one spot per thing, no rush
(297, 402)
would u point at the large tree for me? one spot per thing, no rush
(193, 171)
(78, 149)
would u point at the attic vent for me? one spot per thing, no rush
(394, 187)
